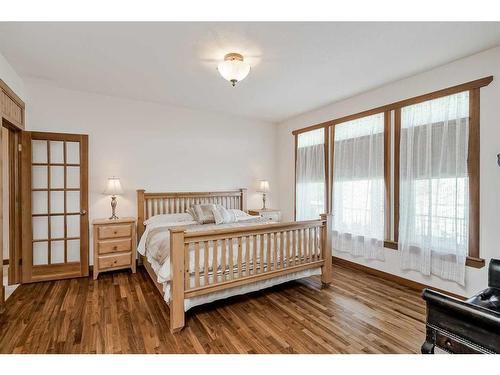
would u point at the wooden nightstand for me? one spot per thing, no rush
(268, 213)
(114, 244)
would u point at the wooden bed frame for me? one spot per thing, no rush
(303, 245)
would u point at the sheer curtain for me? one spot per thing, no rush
(434, 196)
(358, 187)
(310, 175)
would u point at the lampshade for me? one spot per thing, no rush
(233, 68)
(113, 187)
(264, 186)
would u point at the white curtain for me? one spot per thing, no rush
(310, 175)
(434, 196)
(358, 187)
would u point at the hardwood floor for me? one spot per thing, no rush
(123, 313)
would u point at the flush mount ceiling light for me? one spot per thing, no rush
(233, 68)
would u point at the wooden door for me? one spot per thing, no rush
(54, 196)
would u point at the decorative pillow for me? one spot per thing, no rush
(203, 213)
(191, 212)
(223, 215)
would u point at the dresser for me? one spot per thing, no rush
(267, 213)
(114, 244)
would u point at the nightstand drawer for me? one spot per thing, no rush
(114, 246)
(114, 231)
(272, 216)
(111, 261)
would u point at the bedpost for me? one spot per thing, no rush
(140, 213)
(243, 199)
(176, 279)
(326, 236)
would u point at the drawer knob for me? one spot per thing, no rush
(115, 247)
(114, 262)
(115, 232)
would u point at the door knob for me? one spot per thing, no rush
(83, 212)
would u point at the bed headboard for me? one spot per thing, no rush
(150, 204)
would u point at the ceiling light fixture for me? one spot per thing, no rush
(233, 68)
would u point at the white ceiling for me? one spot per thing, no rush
(296, 67)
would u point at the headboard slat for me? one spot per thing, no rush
(150, 204)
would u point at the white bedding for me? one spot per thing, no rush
(155, 246)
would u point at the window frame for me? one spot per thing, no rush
(392, 210)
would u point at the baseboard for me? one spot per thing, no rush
(390, 277)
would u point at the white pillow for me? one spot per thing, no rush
(190, 211)
(222, 215)
(241, 215)
(168, 218)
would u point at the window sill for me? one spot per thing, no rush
(470, 262)
(475, 262)
(391, 245)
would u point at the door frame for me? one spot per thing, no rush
(51, 272)
(12, 117)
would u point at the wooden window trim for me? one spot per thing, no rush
(473, 260)
(476, 84)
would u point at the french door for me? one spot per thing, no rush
(54, 205)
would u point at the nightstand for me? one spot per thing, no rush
(114, 244)
(267, 213)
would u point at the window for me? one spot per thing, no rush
(429, 178)
(358, 186)
(310, 199)
(434, 186)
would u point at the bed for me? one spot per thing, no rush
(192, 264)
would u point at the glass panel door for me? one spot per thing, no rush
(56, 221)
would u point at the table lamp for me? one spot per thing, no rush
(113, 188)
(264, 188)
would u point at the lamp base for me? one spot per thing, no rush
(113, 208)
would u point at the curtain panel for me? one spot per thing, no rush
(434, 195)
(358, 187)
(310, 175)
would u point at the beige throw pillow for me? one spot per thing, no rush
(203, 213)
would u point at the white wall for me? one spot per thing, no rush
(11, 78)
(156, 147)
(464, 70)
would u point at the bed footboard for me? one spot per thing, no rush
(215, 260)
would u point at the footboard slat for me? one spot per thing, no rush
(205, 262)
(197, 264)
(240, 256)
(229, 242)
(254, 260)
(247, 256)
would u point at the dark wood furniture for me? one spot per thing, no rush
(465, 327)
